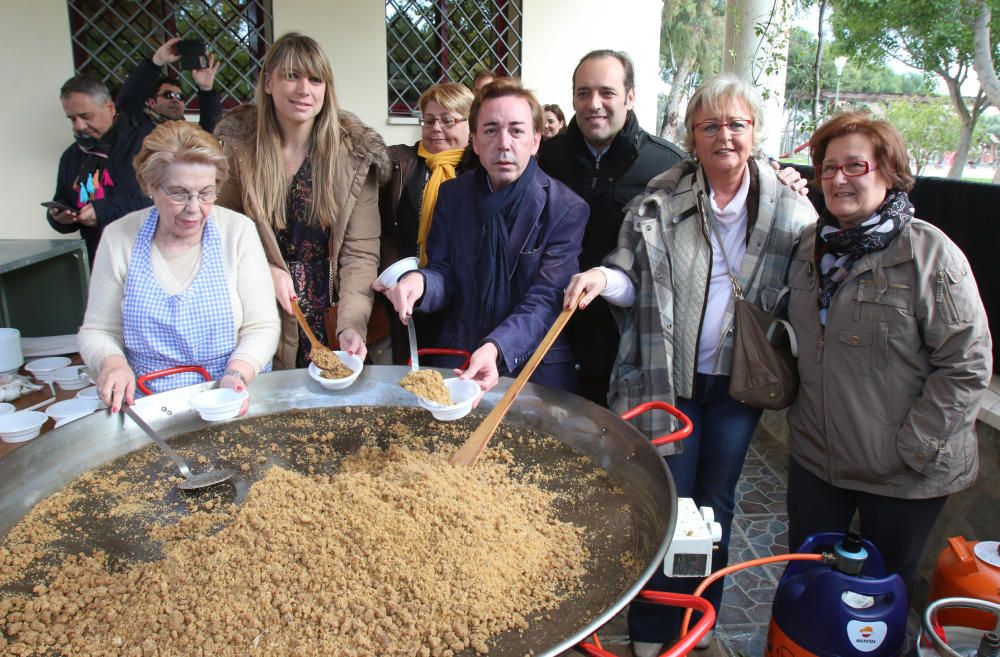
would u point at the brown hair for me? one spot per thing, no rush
(452, 96)
(177, 142)
(266, 195)
(500, 88)
(890, 152)
(620, 55)
(555, 109)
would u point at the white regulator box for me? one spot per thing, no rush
(695, 536)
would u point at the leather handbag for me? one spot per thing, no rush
(378, 321)
(764, 373)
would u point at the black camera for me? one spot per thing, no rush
(192, 52)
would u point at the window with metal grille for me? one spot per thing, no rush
(431, 41)
(110, 37)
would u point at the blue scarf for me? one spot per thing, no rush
(498, 210)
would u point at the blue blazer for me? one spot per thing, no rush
(544, 251)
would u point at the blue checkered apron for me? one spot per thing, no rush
(194, 327)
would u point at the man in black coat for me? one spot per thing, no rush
(606, 158)
(96, 182)
(148, 97)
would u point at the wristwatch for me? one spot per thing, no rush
(234, 372)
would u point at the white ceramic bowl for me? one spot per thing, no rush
(391, 275)
(44, 369)
(72, 408)
(6, 408)
(218, 404)
(71, 378)
(21, 426)
(354, 363)
(462, 393)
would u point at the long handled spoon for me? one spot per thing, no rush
(318, 351)
(474, 446)
(191, 481)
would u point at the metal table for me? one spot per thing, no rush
(43, 285)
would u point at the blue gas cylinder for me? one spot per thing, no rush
(848, 609)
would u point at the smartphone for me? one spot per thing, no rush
(57, 205)
(192, 52)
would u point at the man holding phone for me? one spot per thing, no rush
(150, 98)
(96, 183)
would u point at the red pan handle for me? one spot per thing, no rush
(441, 351)
(685, 645)
(683, 432)
(142, 380)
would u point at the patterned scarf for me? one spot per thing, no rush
(442, 167)
(837, 249)
(498, 210)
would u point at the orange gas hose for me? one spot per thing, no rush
(722, 572)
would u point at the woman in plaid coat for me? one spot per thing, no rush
(669, 281)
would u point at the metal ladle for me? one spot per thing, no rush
(191, 481)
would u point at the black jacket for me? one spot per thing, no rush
(140, 85)
(632, 159)
(119, 199)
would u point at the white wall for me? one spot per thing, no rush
(35, 60)
(353, 35)
(34, 131)
(557, 33)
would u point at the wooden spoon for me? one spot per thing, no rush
(475, 445)
(317, 348)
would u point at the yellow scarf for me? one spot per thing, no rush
(442, 167)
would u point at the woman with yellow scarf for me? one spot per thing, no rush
(407, 201)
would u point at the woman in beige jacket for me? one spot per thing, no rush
(894, 353)
(307, 173)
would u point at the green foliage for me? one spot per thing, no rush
(929, 128)
(930, 35)
(858, 76)
(692, 26)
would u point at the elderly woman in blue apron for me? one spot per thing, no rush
(181, 283)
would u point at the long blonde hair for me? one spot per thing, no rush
(266, 195)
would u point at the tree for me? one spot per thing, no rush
(929, 35)
(985, 57)
(818, 66)
(691, 36)
(928, 128)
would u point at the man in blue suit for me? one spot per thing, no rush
(504, 241)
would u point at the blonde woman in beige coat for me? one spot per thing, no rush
(307, 173)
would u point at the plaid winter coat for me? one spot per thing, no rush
(663, 247)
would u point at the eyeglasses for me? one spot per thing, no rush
(170, 95)
(711, 128)
(428, 120)
(850, 169)
(183, 198)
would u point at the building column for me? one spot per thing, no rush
(760, 59)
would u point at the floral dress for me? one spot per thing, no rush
(305, 248)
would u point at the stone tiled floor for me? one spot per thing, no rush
(759, 530)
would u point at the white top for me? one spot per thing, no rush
(248, 277)
(732, 223)
(619, 291)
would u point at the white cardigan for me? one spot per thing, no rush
(248, 277)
